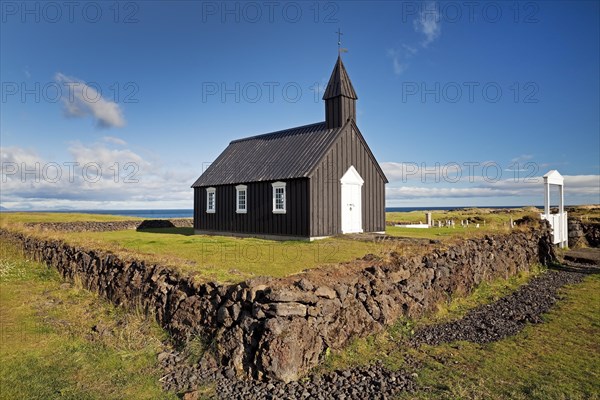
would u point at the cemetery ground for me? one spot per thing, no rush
(229, 259)
(59, 341)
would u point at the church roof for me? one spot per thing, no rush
(339, 83)
(287, 154)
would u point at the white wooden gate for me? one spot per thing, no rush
(557, 221)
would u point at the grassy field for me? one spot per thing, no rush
(17, 218)
(223, 258)
(230, 259)
(559, 359)
(62, 342)
(487, 216)
(444, 233)
(489, 221)
(220, 258)
(58, 341)
(589, 213)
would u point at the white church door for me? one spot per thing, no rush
(351, 201)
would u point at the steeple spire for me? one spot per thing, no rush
(340, 97)
(340, 48)
(339, 33)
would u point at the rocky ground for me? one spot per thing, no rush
(372, 382)
(483, 324)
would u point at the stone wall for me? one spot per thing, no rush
(592, 233)
(279, 328)
(101, 226)
(284, 329)
(583, 233)
(182, 307)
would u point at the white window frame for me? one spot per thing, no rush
(238, 190)
(279, 185)
(209, 191)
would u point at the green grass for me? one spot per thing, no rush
(442, 233)
(488, 215)
(588, 213)
(58, 341)
(559, 359)
(489, 220)
(48, 349)
(224, 258)
(206, 257)
(8, 218)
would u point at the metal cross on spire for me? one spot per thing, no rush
(340, 49)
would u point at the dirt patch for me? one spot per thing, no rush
(584, 256)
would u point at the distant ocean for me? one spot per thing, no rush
(188, 213)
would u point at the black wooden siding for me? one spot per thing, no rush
(259, 218)
(338, 110)
(326, 214)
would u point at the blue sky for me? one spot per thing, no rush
(462, 105)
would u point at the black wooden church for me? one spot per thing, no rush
(307, 182)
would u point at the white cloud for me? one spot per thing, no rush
(114, 140)
(455, 180)
(580, 186)
(16, 155)
(101, 154)
(522, 158)
(410, 192)
(400, 58)
(81, 100)
(428, 23)
(95, 175)
(399, 67)
(410, 51)
(129, 180)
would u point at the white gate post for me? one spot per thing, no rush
(557, 221)
(546, 196)
(563, 218)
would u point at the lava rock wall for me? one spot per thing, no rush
(583, 233)
(280, 328)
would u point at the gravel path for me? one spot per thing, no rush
(484, 324)
(505, 317)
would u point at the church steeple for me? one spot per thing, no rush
(340, 97)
